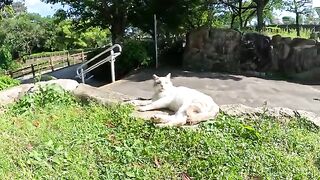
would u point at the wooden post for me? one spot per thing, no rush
(68, 59)
(33, 72)
(50, 61)
(11, 74)
(82, 56)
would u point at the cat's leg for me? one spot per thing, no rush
(178, 119)
(173, 120)
(137, 102)
(158, 104)
(195, 115)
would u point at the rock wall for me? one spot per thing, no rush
(212, 50)
(226, 50)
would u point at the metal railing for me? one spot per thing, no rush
(84, 69)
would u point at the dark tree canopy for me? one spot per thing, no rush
(5, 2)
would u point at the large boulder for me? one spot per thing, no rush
(106, 97)
(212, 49)
(226, 50)
(11, 95)
(296, 55)
(256, 53)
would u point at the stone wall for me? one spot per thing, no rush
(212, 50)
(226, 50)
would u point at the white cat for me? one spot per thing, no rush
(189, 105)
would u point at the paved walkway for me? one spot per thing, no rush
(228, 89)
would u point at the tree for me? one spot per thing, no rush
(4, 3)
(173, 17)
(19, 7)
(22, 33)
(298, 7)
(240, 9)
(112, 14)
(261, 4)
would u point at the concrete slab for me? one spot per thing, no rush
(227, 89)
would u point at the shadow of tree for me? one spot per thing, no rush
(146, 74)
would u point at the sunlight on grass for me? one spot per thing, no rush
(292, 33)
(75, 141)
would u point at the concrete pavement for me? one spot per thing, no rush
(227, 89)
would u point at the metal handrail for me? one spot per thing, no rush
(83, 70)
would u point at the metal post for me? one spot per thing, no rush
(155, 39)
(82, 76)
(113, 79)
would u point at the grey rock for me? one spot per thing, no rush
(106, 97)
(66, 84)
(11, 95)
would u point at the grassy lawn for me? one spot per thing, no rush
(65, 139)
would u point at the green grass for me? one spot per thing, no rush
(70, 140)
(292, 33)
(7, 82)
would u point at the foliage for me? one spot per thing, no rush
(67, 37)
(5, 57)
(4, 3)
(6, 82)
(104, 14)
(46, 95)
(134, 54)
(23, 33)
(96, 142)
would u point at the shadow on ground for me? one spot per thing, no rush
(146, 74)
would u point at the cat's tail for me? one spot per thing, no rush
(196, 115)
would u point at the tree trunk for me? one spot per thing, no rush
(240, 15)
(232, 21)
(260, 16)
(118, 25)
(116, 34)
(297, 24)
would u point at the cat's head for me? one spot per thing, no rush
(162, 83)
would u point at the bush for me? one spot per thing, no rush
(46, 95)
(134, 54)
(6, 82)
(5, 58)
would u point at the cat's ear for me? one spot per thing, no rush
(168, 76)
(155, 76)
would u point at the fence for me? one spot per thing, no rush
(40, 64)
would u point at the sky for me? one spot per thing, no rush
(36, 6)
(44, 9)
(316, 3)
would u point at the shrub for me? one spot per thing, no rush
(6, 82)
(5, 57)
(135, 53)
